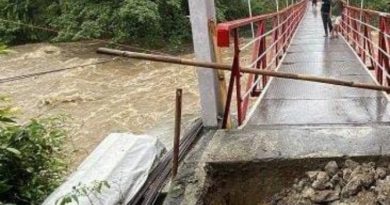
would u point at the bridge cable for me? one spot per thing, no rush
(42, 28)
(251, 15)
(30, 75)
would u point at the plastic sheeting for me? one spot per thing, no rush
(122, 160)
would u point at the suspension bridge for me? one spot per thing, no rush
(299, 99)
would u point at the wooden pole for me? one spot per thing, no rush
(221, 73)
(176, 139)
(217, 66)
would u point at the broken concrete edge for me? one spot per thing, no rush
(188, 185)
(200, 168)
(205, 179)
(296, 142)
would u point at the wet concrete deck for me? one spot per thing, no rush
(296, 119)
(288, 102)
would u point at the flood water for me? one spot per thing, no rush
(124, 95)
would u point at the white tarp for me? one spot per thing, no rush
(122, 160)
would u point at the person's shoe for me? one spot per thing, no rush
(326, 35)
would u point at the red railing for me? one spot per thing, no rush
(273, 35)
(368, 32)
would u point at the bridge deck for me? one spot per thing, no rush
(288, 102)
(296, 119)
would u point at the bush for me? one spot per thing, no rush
(135, 21)
(3, 48)
(146, 22)
(31, 165)
(379, 5)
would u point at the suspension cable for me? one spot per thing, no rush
(30, 75)
(251, 15)
(42, 28)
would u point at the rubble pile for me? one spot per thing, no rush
(350, 184)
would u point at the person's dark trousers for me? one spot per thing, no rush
(327, 22)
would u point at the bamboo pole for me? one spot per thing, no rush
(221, 73)
(279, 74)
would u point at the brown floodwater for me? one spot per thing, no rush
(123, 95)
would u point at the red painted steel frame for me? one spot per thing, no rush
(284, 24)
(357, 26)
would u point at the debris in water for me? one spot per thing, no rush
(352, 183)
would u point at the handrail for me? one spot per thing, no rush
(369, 11)
(268, 45)
(357, 28)
(224, 29)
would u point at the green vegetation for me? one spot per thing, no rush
(94, 190)
(379, 5)
(3, 48)
(134, 21)
(31, 165)
(146, 22)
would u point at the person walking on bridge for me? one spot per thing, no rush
(314, 3)
(325, 14)
(337, 9)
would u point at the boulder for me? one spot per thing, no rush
(331, 168)
(325, 196)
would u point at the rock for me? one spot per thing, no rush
(347, 174)
(363, 198)
(369, 165)
(301, 184)
(335, 179)
(380, 173)
(382, 190)
(308, 193)
(353, 184)
(331, 168)
(338, 203)
(321, 181)
(312, 175)
(366, 174)
(325, 196)
(352, 187)
(351, 164)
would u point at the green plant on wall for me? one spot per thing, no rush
(91, 191)
(31, 164)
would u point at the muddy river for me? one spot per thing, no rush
(121, 95)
